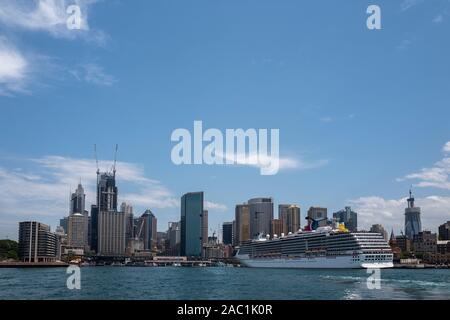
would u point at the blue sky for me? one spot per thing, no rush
(364, 114)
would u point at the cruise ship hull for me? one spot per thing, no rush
(344, 262)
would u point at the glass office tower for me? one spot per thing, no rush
(191, 224)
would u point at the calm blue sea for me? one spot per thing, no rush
(222, 283)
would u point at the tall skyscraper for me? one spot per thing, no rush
(191, 224)
(111, 233)
(205, 227)
(111, 225)
(36, 242)
(348, 217)
(78, 200)
(261, 215)
(127, 209)
(378, 228)
(106, 192)
(93, 241)
(413, 224)
(319, 213)
(289, 214)
(77, 233)
(227, 233)
(242, 218)
(149, 230)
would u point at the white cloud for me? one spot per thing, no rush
(45, 15)
(446, 147)
(408, 4)
(93, 74)
(390, 212)
(436, 176)
(209, 205)
(259, 161)
(14, 68)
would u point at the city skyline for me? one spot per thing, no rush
(362, 114)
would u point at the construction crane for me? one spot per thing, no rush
(115, 160)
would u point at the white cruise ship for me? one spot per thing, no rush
(324, 247)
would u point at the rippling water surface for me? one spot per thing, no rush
(222, 283)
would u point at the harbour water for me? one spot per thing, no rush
(223, 283)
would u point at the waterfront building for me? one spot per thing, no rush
(413, 223)
(444, 231)
(424, 242)
(403, 242)
(349, 218)
(77, 233)
(289, 214)
(36, 242)
(378, 228)
(191, 224)
(276, 227)
(174, 237)
(320, 214)
(242, 218)
(261, 215)
(205, 227)
(111, 233)
(227, 233)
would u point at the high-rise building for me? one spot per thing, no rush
(378, 228)
(444, 231)
(348, 217)
(174, 235)
(63, 223)
(227, 233)
(111, 225)
(191, 224)
(413, 223)
(261, 215)
(149, 230)
(127, 209)
(78, 200)
(111, 233)
(276, 227)
(93, 241)
(77, 233)
(318, 213)
(289, 214)
(205, 227)
(106, 192)
(242, 218)
(36, 242)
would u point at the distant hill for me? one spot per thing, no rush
(9, 249)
